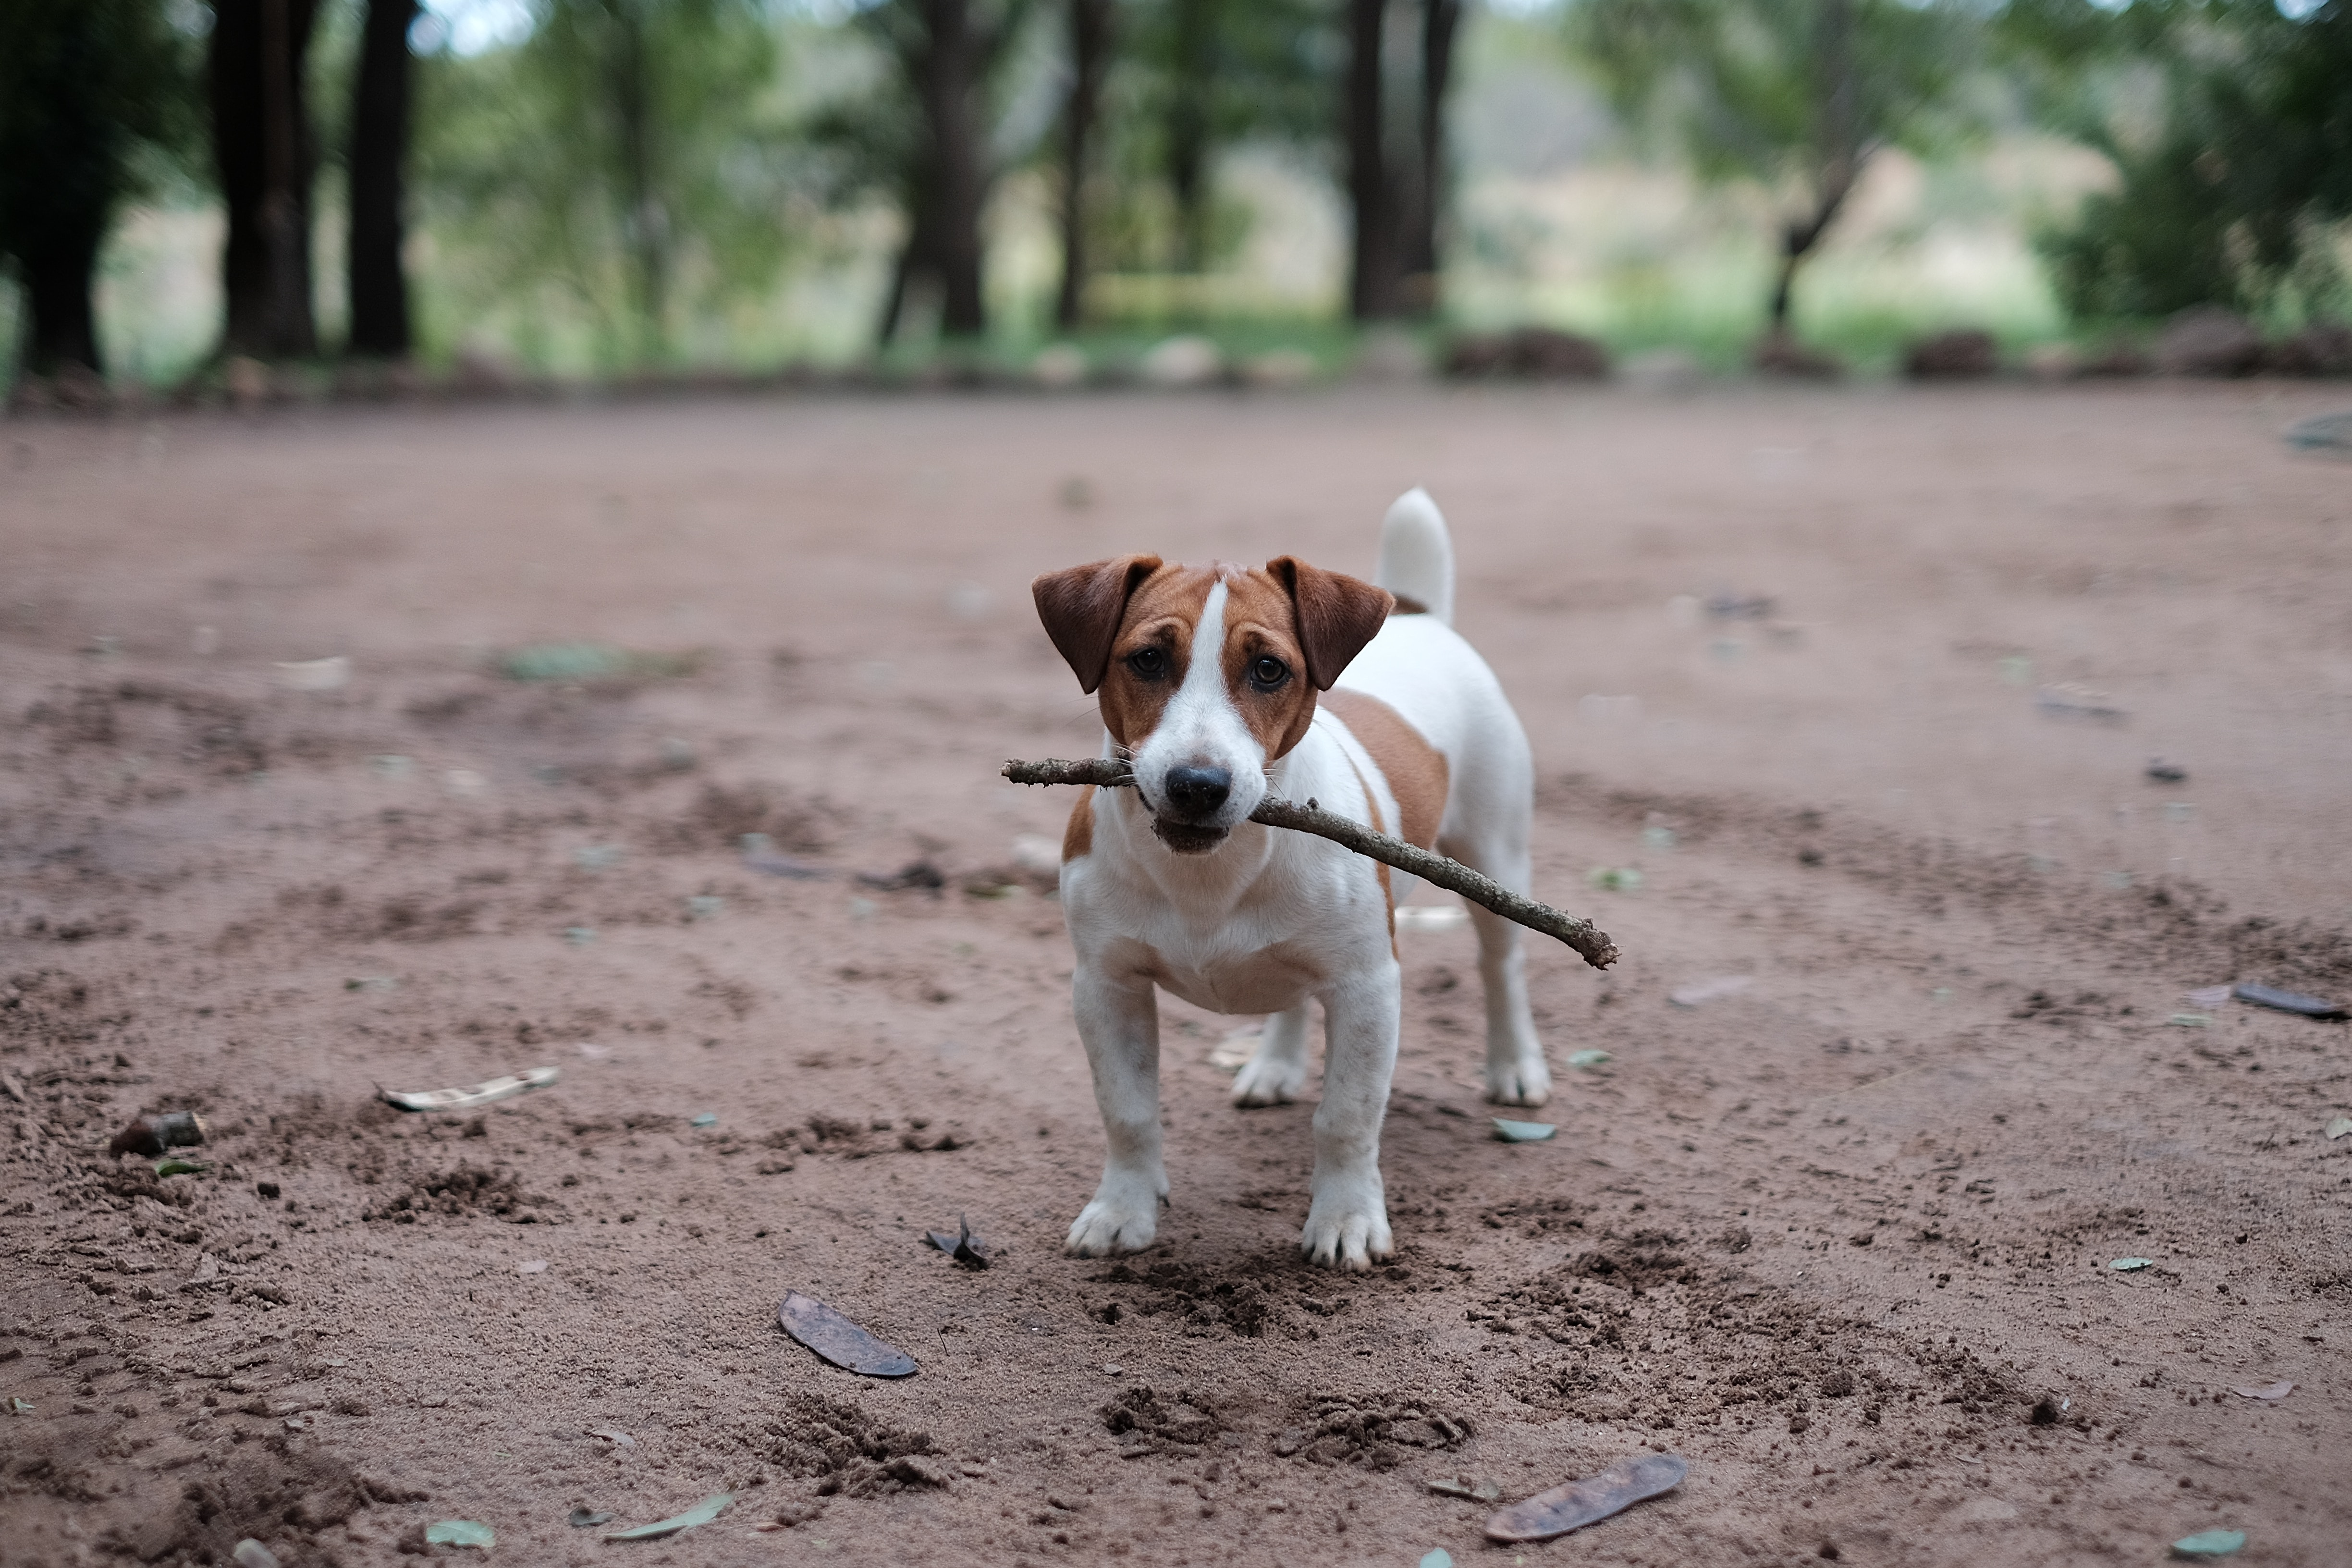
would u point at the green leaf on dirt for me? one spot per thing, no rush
(460, 1532)
(591, 661)
(2210, 1543)
(706, 1119)
(20, 1407)
(584, 1518)
(2131, 1265)
(703, 1512)
(2338, 1127)
(1441, 1558)
(1523, 1131)
(1614, 878)
(171, 1166)
(1588, 1059)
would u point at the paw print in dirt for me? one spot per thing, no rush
(1376, 1433)
(848, 1452)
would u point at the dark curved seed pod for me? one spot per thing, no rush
(839, 1341)
(1595, 1497)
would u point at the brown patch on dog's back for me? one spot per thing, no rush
(1416, 770)
(1078, 837)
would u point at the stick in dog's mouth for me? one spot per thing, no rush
(1586, 939)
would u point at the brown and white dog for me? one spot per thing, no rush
(1208, 679)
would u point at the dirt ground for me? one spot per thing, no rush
(1841, 1236)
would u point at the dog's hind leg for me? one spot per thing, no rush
(1276, 1070)
(1516, 1073)
(1119, 1021)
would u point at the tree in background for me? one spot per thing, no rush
(84, 86)
(623, 154)
(1396, 161)
(1797, 96)
(378, 160)
(946, 54)
(266, 155)
(1091, 42)
(2227, 198)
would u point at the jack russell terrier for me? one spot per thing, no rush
(1221, 685)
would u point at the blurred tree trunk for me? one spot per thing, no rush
(1839, 152)
(1440, 19)
(645, 221)
(380, 110)
(56, 270)
(1090, 50)
(261, 138)
(946, 53)
(1191, 83)
(1374, 274)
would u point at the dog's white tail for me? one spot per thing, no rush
(1416, 557)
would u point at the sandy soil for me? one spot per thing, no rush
(1841, 1237)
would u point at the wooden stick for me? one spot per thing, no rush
(1586, 938)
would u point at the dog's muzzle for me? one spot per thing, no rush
(1185, 819)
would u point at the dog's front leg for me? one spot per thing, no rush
(1347, 1218)
(1118, 1019)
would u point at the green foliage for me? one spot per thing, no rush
(2228, 200)
(1745, 90)
(626, 167)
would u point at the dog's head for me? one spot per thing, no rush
(1206, 673)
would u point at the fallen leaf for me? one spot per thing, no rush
(585, 1518)
(172, 1166)
(1522, 1131)
(2278, 1390)
(251, 1554)
(839, 1341)
(466, 1099)
(1439, 1558)
(706, 1119)
(536, 1266)
(613, 1435)
(2287, 1001)
(703, 1512)
(2131, 1265)
(1464, 1487)
(1588, 1059)
(2338, 1127)
(20, 1407)
(2210, 1543)
(460, 1532)
(960, 1245)
(1580, 1503)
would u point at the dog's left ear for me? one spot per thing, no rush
(1336, 615)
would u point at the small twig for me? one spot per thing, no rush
(1582, 935)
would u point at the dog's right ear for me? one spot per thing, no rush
(1082, 607)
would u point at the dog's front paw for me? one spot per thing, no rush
(1349, 1233)
(1125, 1219)
(1526, 1081)
(1269, 1079)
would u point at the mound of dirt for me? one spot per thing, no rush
(848, 1452)
(1150, 1421)
(1375, 1435)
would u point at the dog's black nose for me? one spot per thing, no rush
(1198, 792)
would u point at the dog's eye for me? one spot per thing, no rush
(1149, 663)
(1268, 673)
